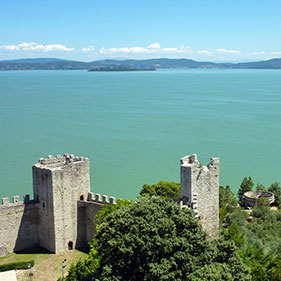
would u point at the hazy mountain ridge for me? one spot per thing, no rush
(162, 63)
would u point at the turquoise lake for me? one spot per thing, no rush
(135, 126)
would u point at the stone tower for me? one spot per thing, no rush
(58, 184)
(200, 191)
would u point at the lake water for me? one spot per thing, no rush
(135, 126)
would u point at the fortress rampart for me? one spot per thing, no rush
(61, 216)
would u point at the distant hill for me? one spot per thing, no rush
(267, 64)
(35, 60)
(162, 63)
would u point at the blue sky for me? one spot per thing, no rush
(214, 30)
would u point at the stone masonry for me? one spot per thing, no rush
(200, 191)
(61, 216)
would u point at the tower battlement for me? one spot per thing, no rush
(101, 199)
(189, 160)
(59, 161)
(6, 202)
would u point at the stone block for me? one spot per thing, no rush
(90, 196)
(16, 199)
(98, 197)
(5, 201)
(104, 199)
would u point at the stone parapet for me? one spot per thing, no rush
(100, 199)
(5, 202)
(58, 161)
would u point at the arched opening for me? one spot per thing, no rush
(70, 245)
(82, 197)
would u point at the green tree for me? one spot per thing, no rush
(263, 202)
(154, 239)
(233, 233)
(275, 269)
(227, 202)
(276, 190)
(107, 209)
(166, 189)
(260, 187)
(246, 185)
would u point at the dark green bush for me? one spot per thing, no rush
(16, 265)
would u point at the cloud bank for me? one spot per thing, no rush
(153, 50)
(32, 46)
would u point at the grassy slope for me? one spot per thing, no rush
(47, 266)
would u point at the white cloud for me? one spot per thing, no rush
(276, 53)
(204, 52)
(150, 49)
(88, 49)
(154, 46)
(127, 50)
(255, 53)
(181, 49)
(32, 46)
(10, 48)
(225, 51)
(102, 51)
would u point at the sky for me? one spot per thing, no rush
(87, 30)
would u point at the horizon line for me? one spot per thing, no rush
(125, 59)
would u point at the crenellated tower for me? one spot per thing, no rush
(200, 191)
(58, 183)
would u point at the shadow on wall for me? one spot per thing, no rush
(81, 242)
(86, 225)
(27, 237)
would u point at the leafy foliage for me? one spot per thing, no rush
(154, 239)
(83, 269)
(166, 189)
(227, 202)
(246, 185)
(260, 187)
(276, 190)
(258, 238)
(109, 208)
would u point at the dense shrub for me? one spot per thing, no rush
(16, 265)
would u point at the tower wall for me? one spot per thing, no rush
(58, 184)
(202, 183)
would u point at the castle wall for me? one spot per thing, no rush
(86, 230)
(87, 211)
(202, 182)
(18, 224)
